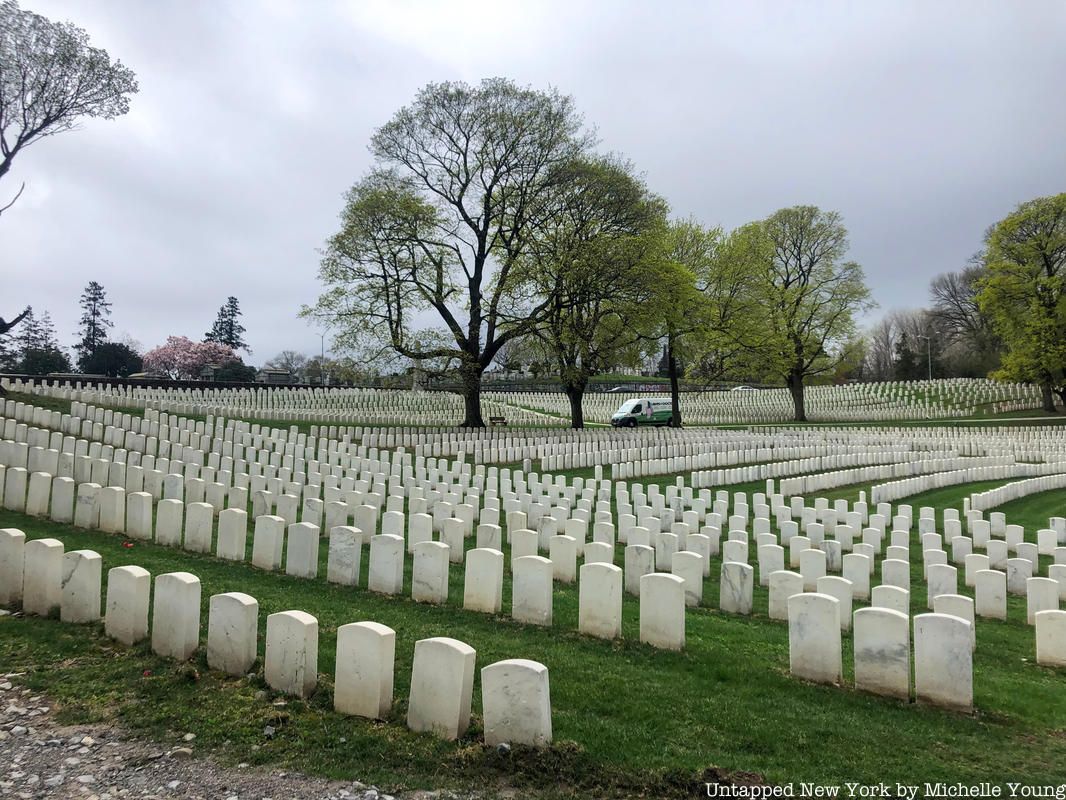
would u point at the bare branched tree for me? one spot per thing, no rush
(439, 228)
(50, 79)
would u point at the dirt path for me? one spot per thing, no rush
(41, 759)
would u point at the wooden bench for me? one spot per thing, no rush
(497, 420)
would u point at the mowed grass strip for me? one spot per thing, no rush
(629, 720)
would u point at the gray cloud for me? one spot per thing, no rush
(922, 123)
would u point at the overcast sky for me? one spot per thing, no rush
(920, 122)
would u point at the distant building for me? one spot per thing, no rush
(272, 375)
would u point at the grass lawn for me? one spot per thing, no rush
(629, 720)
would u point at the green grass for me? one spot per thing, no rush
(629, 720)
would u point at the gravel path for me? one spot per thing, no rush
(41, 759)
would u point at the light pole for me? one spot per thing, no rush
(322, 360)
(929, 350)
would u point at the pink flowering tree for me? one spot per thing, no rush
(181, 357)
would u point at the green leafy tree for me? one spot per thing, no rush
(710, 307)
(683, 304)
(37, 333)
(113, 359)
(707, 306)
(39, 352)
(227, 329)
(440, 226)
(1024, 294)
(44, 361)
(9, 351)
(598, 263)
(236, 372)
(852, 362)
(28, 336)
(675, 309)
(810, 296)
(50, 79)
(94, 322)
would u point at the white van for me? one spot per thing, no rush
(643, 411)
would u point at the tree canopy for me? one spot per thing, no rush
(113, 359)
(810, 295)
(181, 357)
(227, 329)
(1024, 293)
(456, 199)
(94, 322)
(598, 262)
(50, 79)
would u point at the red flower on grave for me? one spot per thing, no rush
(146, 674)
(127, 544)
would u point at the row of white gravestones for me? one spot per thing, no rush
(135, 518)
(254, 465)
(943, 660)
(393, 406)
(197, 460)
(309, 500)
(95, 502)
(103, 507)
(990, 595)
(634, 484)
(141, 523)
(72, 580)
(263, 502)
(515, 693)
(113, 511)
(200, 424)
(600, 587)
(880, 401)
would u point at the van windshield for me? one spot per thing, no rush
(629, 406)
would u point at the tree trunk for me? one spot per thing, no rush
(1048, 397)
(576, 393)
(470, 375)
(795, 387)
(675, 390)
